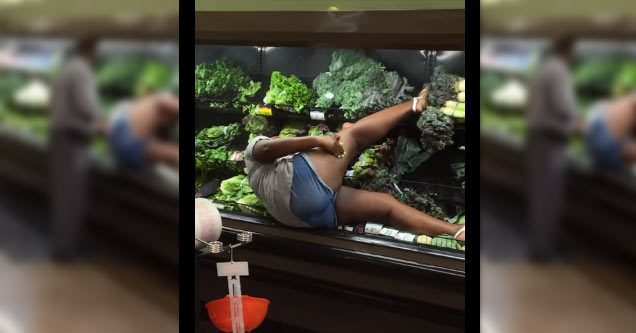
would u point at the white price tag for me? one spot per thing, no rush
(236, 268)
(405, 236)
(373, 228)
(317, 115)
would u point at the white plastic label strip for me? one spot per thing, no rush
(317, 115)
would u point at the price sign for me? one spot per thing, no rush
(265, 111)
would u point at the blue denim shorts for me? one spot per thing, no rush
(311, 199)
(127, 148)
(604, 148)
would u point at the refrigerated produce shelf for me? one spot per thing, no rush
(290, 267)
(594, 197)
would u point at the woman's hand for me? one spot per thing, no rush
(331, 144)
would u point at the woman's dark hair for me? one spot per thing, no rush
(86, 45)
(563, 45)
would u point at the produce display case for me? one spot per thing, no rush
(598, 73)
(380, 275)
(123, 204)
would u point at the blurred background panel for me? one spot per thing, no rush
(320, 5)
(72, 18)
(584, 283)
(124, 276)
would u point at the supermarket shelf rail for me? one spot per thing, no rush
(415, 288)
(593, 195)
(123, 204)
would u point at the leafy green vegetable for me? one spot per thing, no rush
(289, 91)
(215, 137)
(625, 81)
(408, 155)
(251, 204)
(596, 76)
(237, 195)
(359, 85)
(446, 242)
(293, 128)
(421, 201)
(460, 172)
(258, 125)
(223, 79)
(233, 189)
(10, 83)
(120, 73)
(213, 159)
(154, 76)
(437, 130)
(373, 159)
(442, 87)
(458, 219)
(319, 130)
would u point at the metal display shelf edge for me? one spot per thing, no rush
(408, 29)
(443, 262)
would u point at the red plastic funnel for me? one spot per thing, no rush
(254, 311)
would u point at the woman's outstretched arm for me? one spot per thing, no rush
(267, 151)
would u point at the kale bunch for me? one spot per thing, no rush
(223, 79)
(359, 85)
(289, 93)
(460, 172)
(436, 130)
(442, 87)
(408, 155)
(373, 159)
(421, 201)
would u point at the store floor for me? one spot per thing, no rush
(590, 291)
(106, 293)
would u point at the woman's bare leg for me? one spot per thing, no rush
(356, 137)
(629, 152)
(163, 152)
(357, 206)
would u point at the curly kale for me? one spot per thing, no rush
(437, 130)
(421, 201)
(223, 79)
(359, 85)
(442, 87)
(460, 172)
(289, 92)
(372, 159)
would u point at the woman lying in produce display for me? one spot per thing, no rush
(135, 127)
(299, 179)
(609, 133)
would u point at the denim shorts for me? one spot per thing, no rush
(604, 148)
(127, 148)
(311, 199)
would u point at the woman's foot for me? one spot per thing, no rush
(421, 99)
(460, 236)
